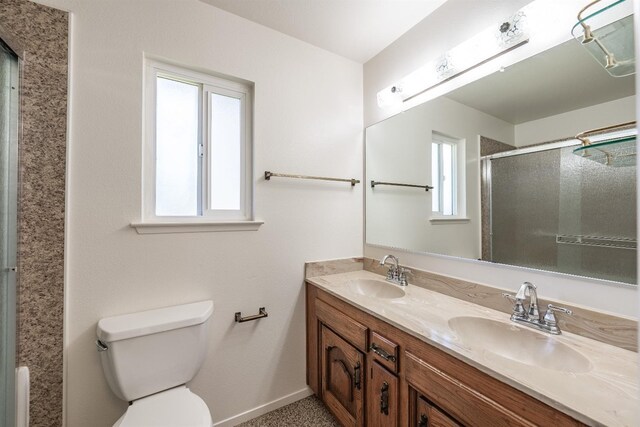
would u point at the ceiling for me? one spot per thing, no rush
(355, 29)
(558, 80)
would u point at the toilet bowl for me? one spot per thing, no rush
(148, 357)
(170, 408)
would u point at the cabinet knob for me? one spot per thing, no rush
(423, 421)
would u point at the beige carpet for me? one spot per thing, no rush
(308, 412)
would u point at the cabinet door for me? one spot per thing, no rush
(342, 368)
(430, 416)
(382, 399)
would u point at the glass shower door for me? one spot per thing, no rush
(8, 230)
(555, 211)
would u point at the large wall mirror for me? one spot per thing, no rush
(507, 185)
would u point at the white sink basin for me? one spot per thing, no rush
(375, 288)
(518, 344)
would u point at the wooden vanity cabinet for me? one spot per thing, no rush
(382, 397)
(405, 377)
(341, 367)
(428, 415)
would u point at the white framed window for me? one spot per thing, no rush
(445, 175)
(448, 196)
(198, 163)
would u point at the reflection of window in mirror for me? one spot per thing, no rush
(444, 175)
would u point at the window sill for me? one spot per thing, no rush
(194, 227)
(437, 220)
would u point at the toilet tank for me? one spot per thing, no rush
(151, 351)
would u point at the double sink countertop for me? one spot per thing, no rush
(594, 382)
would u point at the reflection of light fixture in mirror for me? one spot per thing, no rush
(611, 44)
(392, 98)
(480, 49)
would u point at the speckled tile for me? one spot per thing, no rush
(42, 33)
(308, 412)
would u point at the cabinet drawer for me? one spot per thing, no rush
(384, 351)
(352, 331)
(428, 415)
(470, 406)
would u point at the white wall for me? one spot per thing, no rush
(571, 123)
(426, 41)
(308, 119)
(399, 150)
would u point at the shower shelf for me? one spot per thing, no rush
(598, 241)
(614, 152)
(612, 44)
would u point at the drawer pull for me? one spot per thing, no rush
(356, 376)
(423, 421)
(384, 398)
(380, 352)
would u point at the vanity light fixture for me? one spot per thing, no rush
(480, 49)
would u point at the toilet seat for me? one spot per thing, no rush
(176, 407)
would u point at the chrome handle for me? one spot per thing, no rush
(101, 346)
(380, 352)
(550, 317)
(403, 276)
(518, 309)
(562, 309)
(510, 297)
(261, 313)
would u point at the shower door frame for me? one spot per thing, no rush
(9, 383)
(486, 170)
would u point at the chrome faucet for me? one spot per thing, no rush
(530, 290)
(395, 274)
(531, 316)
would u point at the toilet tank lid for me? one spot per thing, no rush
(148, 322)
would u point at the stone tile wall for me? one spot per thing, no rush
(42, 33)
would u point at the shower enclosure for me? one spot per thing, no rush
(552, 210)
(8, 229)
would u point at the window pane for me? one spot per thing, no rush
(447, 179)
(176, 148)
(225, 152)
(435, 178)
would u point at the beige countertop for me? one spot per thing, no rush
(604, 392)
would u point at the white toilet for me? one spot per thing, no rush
(148, 357)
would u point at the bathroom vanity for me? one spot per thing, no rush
(383, 355)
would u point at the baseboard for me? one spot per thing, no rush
(263, 409)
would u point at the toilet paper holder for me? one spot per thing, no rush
(262, 312)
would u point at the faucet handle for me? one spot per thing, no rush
(510, 297)
(402, 276)
(518, 308)
(550, 317)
